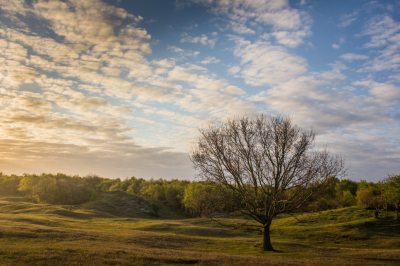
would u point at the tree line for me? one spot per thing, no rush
(196, 198)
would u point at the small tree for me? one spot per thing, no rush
(369, 196)
(391, 193)
(206, 198)
(270, 165)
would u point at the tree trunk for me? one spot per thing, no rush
(266, 238)
(397, 211)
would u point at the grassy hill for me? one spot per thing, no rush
(119, 230)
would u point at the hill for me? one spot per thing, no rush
(118, 230)
(122, 204)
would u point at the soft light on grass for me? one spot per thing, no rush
(99, 234)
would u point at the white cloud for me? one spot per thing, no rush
(203, 39)
(263, 63)
(241, 28)
(351, 57)
(346, 23)
(289, 25)
(385, 35)
(213, 96)
(210, 60)
(85, 54)
(111, 71)
(337, 46)
(291, 38)
(176, 49)
(164, 63)
(84, 86)
(347, 20)
(382, 29)
(234, 70)
(182, 52)
(385, 94)
(311, 104)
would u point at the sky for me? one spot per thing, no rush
(119, 88)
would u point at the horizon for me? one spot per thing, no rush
(119, 88)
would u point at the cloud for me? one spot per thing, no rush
(289, 25)
(21, 156)
(176, 49)
(111, 71)
(203, 39)
(385, 94)
(234, 70)
(182, 52)
(385, 35)
(56, 126)
(338, 122)
(263, 63)
(291, 38)
(346, 23)
(382, 29)
(164, 63)
(210, 60)
(241, 28)
(208, 95)
(337, 46)
(347, 20)
(351, 57)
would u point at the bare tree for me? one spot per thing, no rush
(270, 165)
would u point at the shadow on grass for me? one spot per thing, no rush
(380, 226)
(383, 259)
(13, 199)
(71, 214)
(277, 251)
(174, 261)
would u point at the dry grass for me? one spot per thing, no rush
(41, 234)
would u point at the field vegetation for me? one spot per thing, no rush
(97, 221)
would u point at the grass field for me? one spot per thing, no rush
(117, 230)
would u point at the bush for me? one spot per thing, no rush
(154, 208)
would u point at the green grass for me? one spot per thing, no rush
(118, 230)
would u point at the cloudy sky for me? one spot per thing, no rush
(119, 88)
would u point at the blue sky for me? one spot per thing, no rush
(119, 88)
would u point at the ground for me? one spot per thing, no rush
(118, 230)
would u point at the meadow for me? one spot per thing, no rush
(117, 229)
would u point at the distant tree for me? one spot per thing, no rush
(73, 190)
(270, 165)
(41, 188)
(119, 185)
(9, 184)
(105, 184)
(206, 198)
(155, 190)
(391, 192)
(369, 196)
(346, 192)
(135, 186)
(174, 192)
(325, 201)
(196, 197)
(347, 185)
